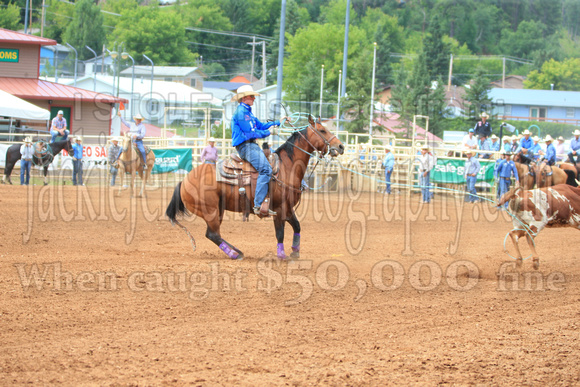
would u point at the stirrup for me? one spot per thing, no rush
(263, 215)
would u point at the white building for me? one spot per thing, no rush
(154, 101)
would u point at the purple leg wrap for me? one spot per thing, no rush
(296, 243)
(233, 254)
(280, 251)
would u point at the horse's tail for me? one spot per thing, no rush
(176, 206)
(570, 178)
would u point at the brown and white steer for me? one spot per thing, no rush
(556, 206)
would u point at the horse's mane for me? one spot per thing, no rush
(288, 146)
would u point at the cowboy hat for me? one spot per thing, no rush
(211, 139)
(526, 132)
(389, 147)
(493, 136)
(561, 138)
(468, 151)
(28, 140)
(484, 114)
(507, 138)
(536, 138)
(244, 91)
(60, 112)
(548, 138)
(115, 139)
(138, 117)
(425, 146)
(576, 132)
(79, 138)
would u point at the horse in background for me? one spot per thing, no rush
(200, 193)
(131, 161)
(547, 176)
(43, 156)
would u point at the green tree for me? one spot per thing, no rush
(86, 28)
(528, 38)
(334, 12)
(359, 93)
(571, 15)
(390, 38)
(477, 95)
(436, 51)
(118, 7)
(563, 75)
(58, 16)
(547, 12)
(322, 45)
(10, 17)
(159, 35)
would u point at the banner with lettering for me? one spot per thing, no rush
(171, 160)
(451, 171)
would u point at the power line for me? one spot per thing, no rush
(238, 34)
(221, 47)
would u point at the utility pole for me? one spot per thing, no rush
(280, 57)
(345, 49)
(264, 63)
(42, 20)
(450, 72)
(253, 53)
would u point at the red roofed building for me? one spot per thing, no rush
(87, 112)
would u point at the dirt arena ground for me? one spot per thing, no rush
(100, 290)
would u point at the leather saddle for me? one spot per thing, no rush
(238, 172)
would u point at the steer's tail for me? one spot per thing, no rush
(176, 206)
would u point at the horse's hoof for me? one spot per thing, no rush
(295, 255)
(519, 262)
(240, 257)
(536, 264)
(282, 257)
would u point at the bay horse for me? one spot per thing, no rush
(525, 174)
(131, 161)
(201, 194)
(547, 176)
(44, 159)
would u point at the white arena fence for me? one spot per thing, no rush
(358, 169)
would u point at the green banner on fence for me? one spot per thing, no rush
(451, 171)
(171, 160)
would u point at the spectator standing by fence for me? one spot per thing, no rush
(505, 170)
(426, 164)
(112, 156)
(209, 155)
(77, 177)
(26, 153)
(575, 148)
(388, 163)
(483, 128)
(470, 172)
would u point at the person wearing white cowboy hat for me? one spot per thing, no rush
(426, 164)
(526, 143)
(483, 127)
(209, 154)
(560, 149)
(503, 172)
(113, 154)
(137, 132)
(470, 172)
(574, 148)
(59, 127)
(550, 155)
(495, 145)
(535, 150)
(388, 163)
(26, 153)
(77, 156)
(246, 129)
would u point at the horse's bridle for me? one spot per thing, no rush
(326, 142)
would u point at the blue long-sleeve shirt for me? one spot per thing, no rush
(495, 146)
(550, 153)
(534, 150)
(78, 151)
(526, 143)
(245, 126)
(575, 144)
(506, 168)
(139, 130)
(472, 167)
(389, 161)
